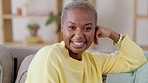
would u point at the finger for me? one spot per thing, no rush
(99, 33)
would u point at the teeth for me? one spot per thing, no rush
(78, 43)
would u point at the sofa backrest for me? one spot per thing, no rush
(20, 52)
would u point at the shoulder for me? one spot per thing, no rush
(51, 48)
(47, 52)
(47, 55)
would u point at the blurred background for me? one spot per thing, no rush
(18, 17)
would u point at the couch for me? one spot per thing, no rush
(11, 58)
(14, 62)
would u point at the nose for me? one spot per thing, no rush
(79, 34)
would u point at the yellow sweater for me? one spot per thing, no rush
(52, 64)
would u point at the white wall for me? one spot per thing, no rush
(115, 15)
(142, 25)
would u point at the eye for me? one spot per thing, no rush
(71, 27)
(87, 29)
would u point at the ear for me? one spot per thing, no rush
(95, 35)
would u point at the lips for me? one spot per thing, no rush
(78, 44)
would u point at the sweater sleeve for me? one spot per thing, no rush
(129, 58)
(41, 69)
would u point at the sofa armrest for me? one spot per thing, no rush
(139, 76)
(146, 54)
(6, 62)
(120, 78)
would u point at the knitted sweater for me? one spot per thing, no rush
(52, 64)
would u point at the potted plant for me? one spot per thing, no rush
(33, 28)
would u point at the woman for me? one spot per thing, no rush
(68, 62)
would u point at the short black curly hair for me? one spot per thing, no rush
(79, 4)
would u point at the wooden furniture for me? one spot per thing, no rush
(137, 17)
(7, 18)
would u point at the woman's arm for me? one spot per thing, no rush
(130, 55)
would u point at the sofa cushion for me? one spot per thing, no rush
(6, 62)
(138, 76)
(22, 73)
(141, 75)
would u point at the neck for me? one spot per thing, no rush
(77, 56)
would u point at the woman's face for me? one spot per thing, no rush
(78, 29)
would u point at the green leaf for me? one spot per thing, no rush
(52, 19)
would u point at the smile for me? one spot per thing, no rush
(78, 44)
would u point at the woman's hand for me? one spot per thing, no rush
(102, 32)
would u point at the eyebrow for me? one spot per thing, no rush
(84, 25)
(71, 22)
(88, 24)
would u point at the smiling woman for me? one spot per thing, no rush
(68, 61)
